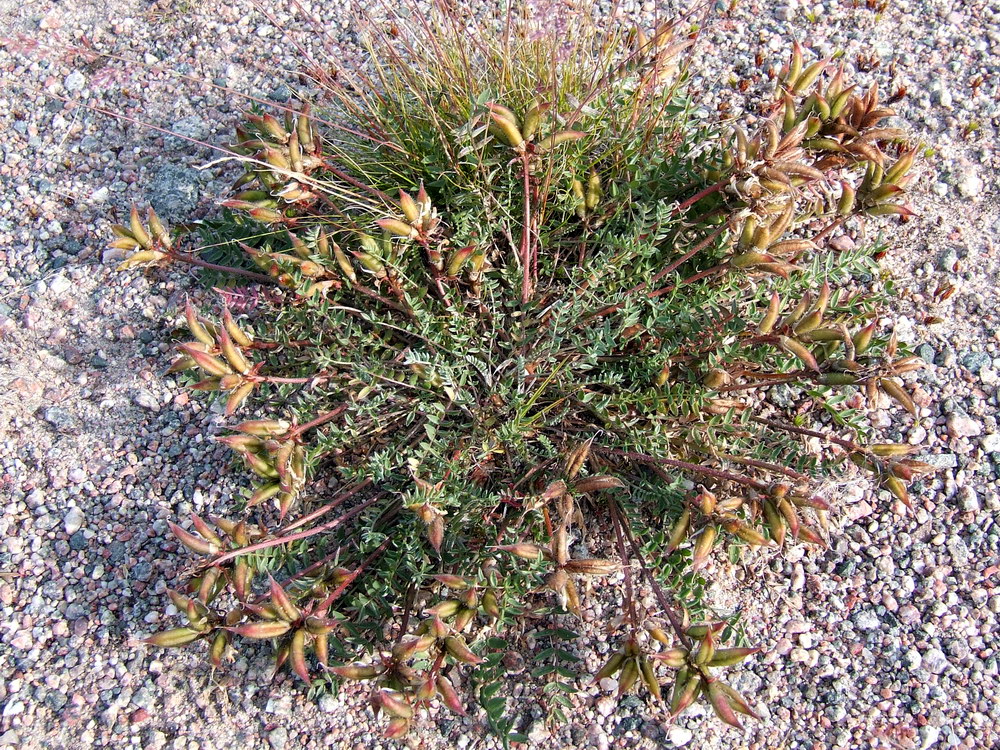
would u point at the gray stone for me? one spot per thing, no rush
(867, 620)
(73, 521)
(975, 361)
(941, 460)
(59, 284)
(279, 704)
(278, 738)
(679, 736)
(75, 81)
(836, 713)
(935, 661)
(962, 425)
(281, 94)
(928, 736)
(958, 550)
(970, 184)
(59, 418)
(782, 395)
(968, 500)
(174, 191)
(991, 443)
(947, 260)
(146, 399)
(926, 353)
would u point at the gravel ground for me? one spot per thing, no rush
(886, 639)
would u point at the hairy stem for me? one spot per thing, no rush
(851, 446)
(321, 419)
(720, 474)
(710, 190)
(196, 261)
(526, 251)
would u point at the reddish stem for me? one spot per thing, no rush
(267, 544)
(725, 476)
(765, 465)
(689, 254)
(335, 594)
(629, 594)
(829, 228)
(195, 261)
(701, 194)
(526, 234)
(321, 419)
(804, 431)
(690, 280)
(663, 272)
(276, 379)
(345, 495)
(661, 597)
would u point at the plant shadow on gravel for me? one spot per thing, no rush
(504, 314)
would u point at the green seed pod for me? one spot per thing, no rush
(891, 449)
(262, 630)
(156, 227)
(679, 533)
(138, 231)
(372, 264)
(459, 258)
(790, 116)
(173, 638)
(556, 139)
(766, 325)
(356, 671)
(809, 323)
(808, 76)
(532, 118)
(345, 265)
(409, 207)
(648, 675)
(508, 131)
(629, 675)
(902, 166)
(456, 647)
(611, 667)
(686, 695)
(720, 703)
(747, 232)
(895, 391)
(504, 112)
(838, 104)
(594, 191)
(218, 648)
(775, 523)
(799, 351)
(703, 547)
(794, 64)
(838, 378)
(398, 228)
(674, 658)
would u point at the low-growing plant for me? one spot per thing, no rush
(516, 307)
